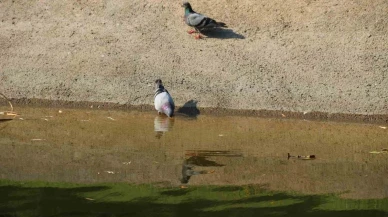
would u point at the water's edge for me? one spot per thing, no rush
(319, 116)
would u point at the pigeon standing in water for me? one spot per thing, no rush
(163, 100)
(198, 21)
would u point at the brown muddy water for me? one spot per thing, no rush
(92, 145)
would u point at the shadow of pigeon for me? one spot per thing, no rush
(189, 109)
(221, 33)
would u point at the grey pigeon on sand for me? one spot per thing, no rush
(163, 101)
(198, 21)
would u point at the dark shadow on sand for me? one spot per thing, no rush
(189, 109)
(221, 33)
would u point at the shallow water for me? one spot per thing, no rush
(141, 147)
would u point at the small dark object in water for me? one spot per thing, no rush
(301, 157)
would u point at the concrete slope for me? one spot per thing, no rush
(311, 55)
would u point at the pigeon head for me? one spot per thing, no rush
(186, 5)
(168, 111)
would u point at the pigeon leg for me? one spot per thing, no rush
(191, 31)
(199, 34)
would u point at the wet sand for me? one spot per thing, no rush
(191, 108)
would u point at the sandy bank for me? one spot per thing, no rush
(301, 56)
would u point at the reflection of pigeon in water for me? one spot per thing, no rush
(187, 171)
(203, 161)
(163, 101)
(198, 21)
(162, 124)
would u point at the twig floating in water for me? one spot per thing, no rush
(302, 157)
(37, 139)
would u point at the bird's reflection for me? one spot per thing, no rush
(162, 124)
(188, 171)
(200, 158)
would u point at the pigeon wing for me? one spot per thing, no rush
(195, 19)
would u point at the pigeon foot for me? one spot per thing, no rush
(198, 36)
(191, 31)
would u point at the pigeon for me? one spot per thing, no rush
(163, 101)
(199, 21)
